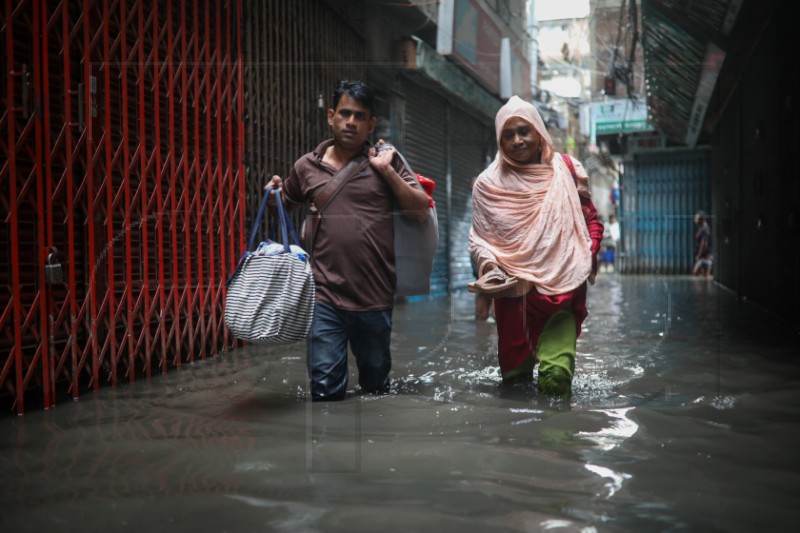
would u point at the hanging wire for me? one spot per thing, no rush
(627, 39)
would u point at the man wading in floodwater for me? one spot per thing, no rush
(353, 246)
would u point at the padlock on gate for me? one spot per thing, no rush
(53, 273)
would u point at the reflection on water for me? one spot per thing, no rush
(620, 428)
(683, 417)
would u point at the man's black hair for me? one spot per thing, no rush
(358, 91)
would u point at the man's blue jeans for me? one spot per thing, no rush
(369, 334)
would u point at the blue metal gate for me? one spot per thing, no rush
(661, 192)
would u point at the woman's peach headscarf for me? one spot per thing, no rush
(527, 218)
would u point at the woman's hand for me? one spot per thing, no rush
(487, 266)
(595, 268)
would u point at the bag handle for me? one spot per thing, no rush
(257, 223)
(284, 221)
(253, 234)
(288, 223)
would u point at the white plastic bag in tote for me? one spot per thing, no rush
(270, 296)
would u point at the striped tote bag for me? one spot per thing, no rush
(270, 297)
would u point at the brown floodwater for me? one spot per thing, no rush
(685, 416)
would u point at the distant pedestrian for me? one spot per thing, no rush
(535, 233)
(611, 236)
(353, 245)
(613, 196)
(703, 258)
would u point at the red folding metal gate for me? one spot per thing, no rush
(121, 146)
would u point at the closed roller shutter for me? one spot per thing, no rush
(661, 191)
(425, 147)
(470, 142)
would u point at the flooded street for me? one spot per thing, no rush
(685, 416)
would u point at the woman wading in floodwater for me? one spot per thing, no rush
(535, 237)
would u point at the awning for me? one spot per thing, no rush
(694, 50)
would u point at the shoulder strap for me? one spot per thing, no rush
(335, 184)
(568, 160)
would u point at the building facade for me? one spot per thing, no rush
(135, 139)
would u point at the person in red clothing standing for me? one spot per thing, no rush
(535, 237)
